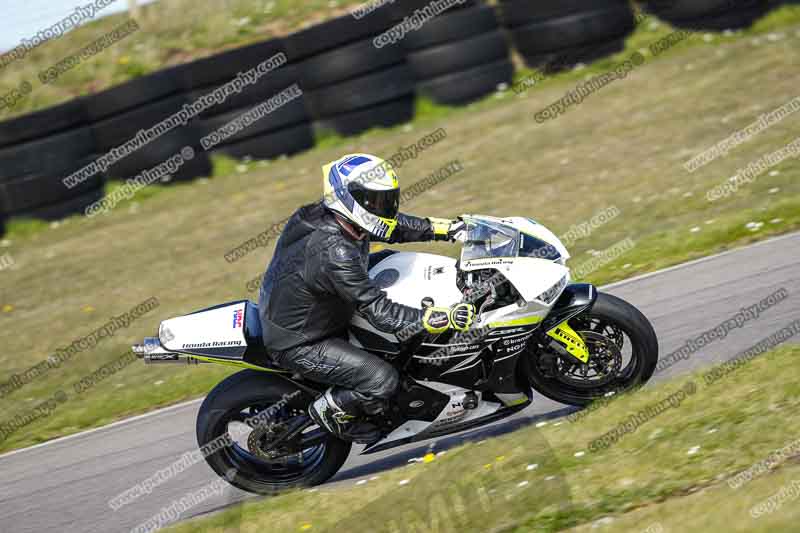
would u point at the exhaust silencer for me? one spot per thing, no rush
(151, 352)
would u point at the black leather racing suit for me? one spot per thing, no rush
(315, 282)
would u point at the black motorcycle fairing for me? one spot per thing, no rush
(448, 429)
(375, 343)
(451, 358)
(255, 353)
(506, 352)
(576, 299)
(415, 401)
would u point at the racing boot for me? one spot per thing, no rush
(328, 412)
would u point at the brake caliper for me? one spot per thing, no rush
(571, 340)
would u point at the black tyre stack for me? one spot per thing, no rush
(351, 84)
(119, 113)
(556, 34)
(460, 56)
(37, 151)
(715, 15)
(285, 130)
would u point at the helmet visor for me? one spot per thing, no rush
(384, 204)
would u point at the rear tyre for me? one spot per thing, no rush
(612, 324)
(245, 394)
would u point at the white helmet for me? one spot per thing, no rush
(365, 190)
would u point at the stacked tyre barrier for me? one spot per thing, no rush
(349, 74)
(460, 56)
(558, 34)
(118, 114)
(284, 130)
(715, 15)
(36, 152)
(351, 84)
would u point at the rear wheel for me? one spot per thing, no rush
(239, 424)
(623, 352)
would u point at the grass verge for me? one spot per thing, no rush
(170, 33)
(623, 147)
(671, 470)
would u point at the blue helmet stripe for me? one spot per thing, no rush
(341, 191)
(347, 166)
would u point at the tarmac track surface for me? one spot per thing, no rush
(65, 485)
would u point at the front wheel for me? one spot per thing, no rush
(623, 352)
(240, 420)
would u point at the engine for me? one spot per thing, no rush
(487, 288)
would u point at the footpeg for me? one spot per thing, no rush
(470, 401)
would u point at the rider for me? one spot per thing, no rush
(318, 279)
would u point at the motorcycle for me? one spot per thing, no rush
(535, 330)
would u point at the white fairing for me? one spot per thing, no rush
(217, 330)
(426, 275)
(420, 275)
(529, 275)
(407, 278)
(453, 413)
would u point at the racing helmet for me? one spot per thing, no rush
(364, 189)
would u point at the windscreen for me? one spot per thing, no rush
(531, 246)
(488, 239)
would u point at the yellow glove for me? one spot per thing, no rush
(461, 316)
(436, 319)
(446, 230)
(439, 319)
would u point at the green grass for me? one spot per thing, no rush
(170, 33)
(671, 470)
(623, 146)
(691, 512)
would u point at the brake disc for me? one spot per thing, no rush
(260, 438)
(605, 361)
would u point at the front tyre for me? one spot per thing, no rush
(231, 446)
(623, 354)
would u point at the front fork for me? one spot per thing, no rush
(571, 341)
(577, 298)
